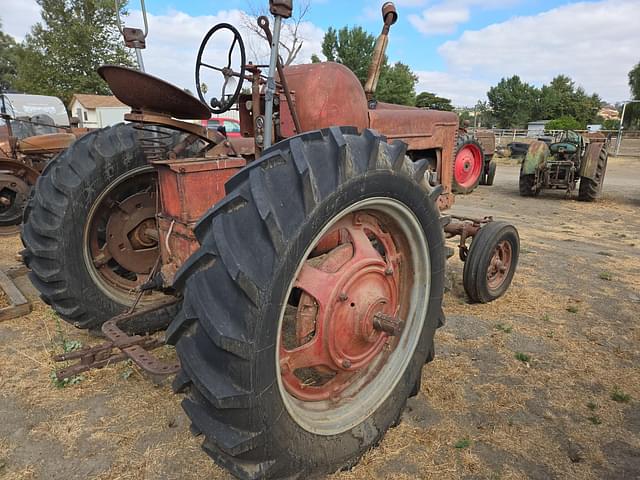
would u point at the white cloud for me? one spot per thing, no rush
(596, 44)
(440, 19)
(18, 17)
(462, 90)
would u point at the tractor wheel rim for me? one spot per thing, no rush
(14, 193)
(114, 255)
(361, 295)
(499, 265)
(468, 166)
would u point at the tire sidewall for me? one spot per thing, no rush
(369, 432)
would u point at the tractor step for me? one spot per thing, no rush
(121, 347)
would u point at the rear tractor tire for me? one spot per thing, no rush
(86, 230)
(491, 262)
(468, 165)
(527, 185)
(590, 190)
(311, 306)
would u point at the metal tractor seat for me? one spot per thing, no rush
(563, 147)
(144, 92)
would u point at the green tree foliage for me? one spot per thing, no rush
(565, 122)
(397, 85)
(515, 103)
(354, 48)
(60, 55)
(433, 101)
(9, 50)
(634, 81)
(512, 102)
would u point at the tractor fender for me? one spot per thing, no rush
(589, 162)
(536, 157)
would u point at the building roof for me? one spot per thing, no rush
(92, 102)
(539, 122)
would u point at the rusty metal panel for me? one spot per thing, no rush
(327, 94)
(188, 188)
(487, 140)
(49, 143)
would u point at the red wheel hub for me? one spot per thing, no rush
(468, 166)
(499, 265)
(344, 295)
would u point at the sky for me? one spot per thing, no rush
(458, 48)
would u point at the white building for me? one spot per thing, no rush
(97, 111)
(536, 129)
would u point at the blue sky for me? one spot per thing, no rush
(458, 48)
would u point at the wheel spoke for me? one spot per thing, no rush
(316, 283)
(103, 257)
(311, 354)
(363, 248)
(218, 69)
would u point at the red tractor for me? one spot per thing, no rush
(299, 271)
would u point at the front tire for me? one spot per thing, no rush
(468, 165)
(329, 224)
(527, 185)
(491, 262)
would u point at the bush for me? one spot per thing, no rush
(565, 122)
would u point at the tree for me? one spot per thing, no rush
(512, 102)
(354, 48)
(61, 55)
(634, 81)
(562, 98)
(565, 122)
(8, 60)
(433, 101)
(291, 39)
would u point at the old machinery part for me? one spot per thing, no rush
(144, 92)
(229, 73)
(389, 17)
(468, 164)
(16, 182)
(491, 262)
(85, 264)
(591, 187)
(311, 306)
(281, 8)
(263, 22)
(271, 81)
(135, 38)
(18, 305)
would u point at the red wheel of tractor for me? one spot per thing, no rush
(468, 166)
(352, 300)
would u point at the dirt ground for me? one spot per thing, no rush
(543, 383)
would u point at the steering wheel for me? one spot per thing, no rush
(221, 105)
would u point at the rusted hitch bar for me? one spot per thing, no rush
(465, 227)
(120, 347)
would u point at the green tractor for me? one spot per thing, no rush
(571, 160)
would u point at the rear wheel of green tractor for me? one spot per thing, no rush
(468, 165)
(590, 189)
(527, 185)
(89, 232)
(311, 306)
(491, 262)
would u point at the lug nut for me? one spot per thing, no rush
(346, 363)
(388, 271)
(343, 297)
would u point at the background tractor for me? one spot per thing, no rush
(33, 129)
(473, 164)
(562, 164)
(299, 270)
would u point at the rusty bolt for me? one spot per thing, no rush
(4, 201)
(388, 324)
(343, 297)
(346, 363)
(388, 271)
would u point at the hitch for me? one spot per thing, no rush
(121, 347)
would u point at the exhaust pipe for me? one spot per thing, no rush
(389, 17)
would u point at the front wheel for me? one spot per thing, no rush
(527, 185)
(311, 306)
(468, 165)
(491, 262)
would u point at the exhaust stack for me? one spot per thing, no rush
(389, 17)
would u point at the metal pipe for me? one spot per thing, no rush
(139, 58)
(271, 83)
(389, 16)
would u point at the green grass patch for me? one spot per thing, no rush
(618, 395)
(572, 309)
(595, 420)
(608, 276)
(463, 443)
(504, 328)
(523, 357)
(592, 406)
